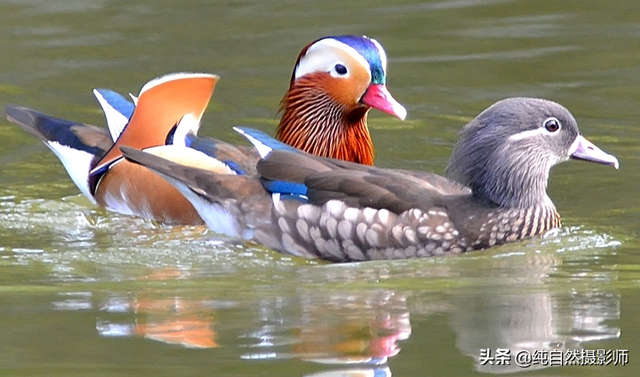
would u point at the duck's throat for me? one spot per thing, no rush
(316, 124)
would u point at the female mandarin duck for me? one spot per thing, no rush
(339, 211)
(335, 82)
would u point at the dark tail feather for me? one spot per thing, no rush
(85, 137)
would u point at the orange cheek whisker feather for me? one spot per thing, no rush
(313, 122)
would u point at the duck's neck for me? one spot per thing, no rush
(505, 178)
(508, 188)
(512, 187)
(315, 123)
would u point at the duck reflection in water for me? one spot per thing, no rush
(163, 316)
(515, 306)
(355, 331)
(333, 327)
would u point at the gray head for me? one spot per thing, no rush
(505, 154)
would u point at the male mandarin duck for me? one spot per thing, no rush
(339, 211)
(336, 80)
(167, 109)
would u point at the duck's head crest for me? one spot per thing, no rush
(360, 47)
(505, 154)
(350, 69)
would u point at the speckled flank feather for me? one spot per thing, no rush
(340, 233)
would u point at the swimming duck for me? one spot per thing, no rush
(339, 211)
(336, 80)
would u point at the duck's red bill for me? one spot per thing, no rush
(378, 97)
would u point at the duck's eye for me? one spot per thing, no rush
(340, 69)
(552, 124)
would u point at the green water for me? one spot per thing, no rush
(85, 293)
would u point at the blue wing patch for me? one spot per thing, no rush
(286, 189)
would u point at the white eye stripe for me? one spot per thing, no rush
(538, 131)
(527, 134)
(323, 56)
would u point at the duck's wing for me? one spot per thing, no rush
(319, 180)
